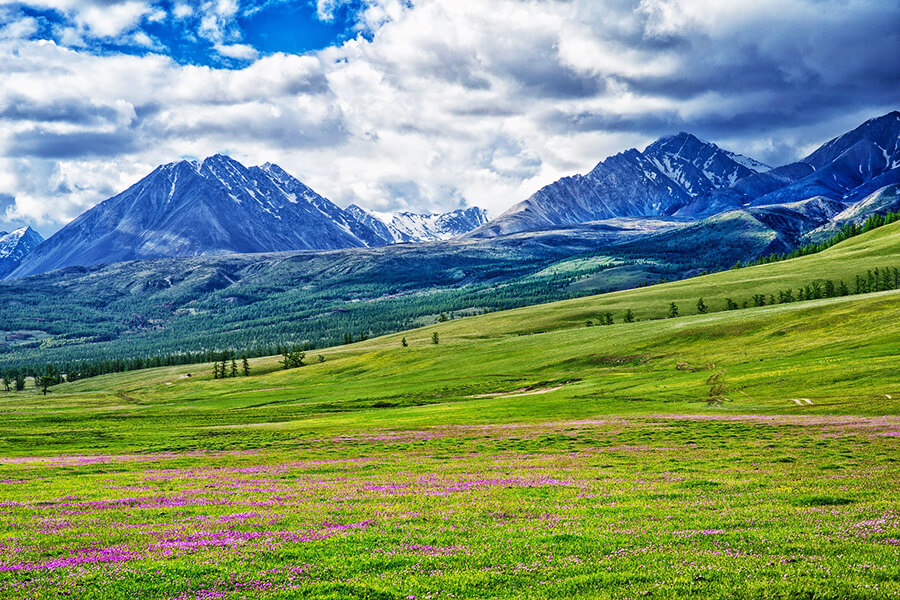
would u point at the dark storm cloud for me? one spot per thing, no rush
(77, 112)
(293, 129)
(810, 64)
(40, 143)
(652, 124)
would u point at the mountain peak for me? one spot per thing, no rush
(15, 246)
(275, 170)
(682, 137)
(217, 161)
(879, 136)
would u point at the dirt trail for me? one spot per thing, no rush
(519, 392)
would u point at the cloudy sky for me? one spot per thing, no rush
(418, 104)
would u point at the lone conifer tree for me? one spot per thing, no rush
(701, 306)
(404, 343)
(434, 338)
(246, 367)
(673, 310)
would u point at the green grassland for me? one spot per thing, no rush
(740, 453)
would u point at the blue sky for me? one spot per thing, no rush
(266, 26)
(420, 105)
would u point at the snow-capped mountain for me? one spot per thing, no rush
(373, 223)
(15, 246)
(219, 206)
(191, 208)
(657, 182)
(685, 177)
(416, 227)
(700, 167)
(849, 167)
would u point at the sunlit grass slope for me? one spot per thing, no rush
(834, 356)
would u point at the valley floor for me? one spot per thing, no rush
(711, 506)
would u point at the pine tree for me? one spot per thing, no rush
(293, 358)
(234, 369)
(434, 338)
(46, 380)
(404, 343)
(246, 366)
(701, 306)
(629, 316)
(673, 310)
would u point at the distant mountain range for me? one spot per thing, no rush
(218, 206)
(682, 176)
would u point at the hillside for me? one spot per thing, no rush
(836, 352)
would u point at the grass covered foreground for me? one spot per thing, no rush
(747, 453)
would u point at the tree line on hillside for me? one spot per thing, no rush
(846, 232)
(225, 362)
(873, 280)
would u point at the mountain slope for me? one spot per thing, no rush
(15, 246)
(213, 207)
(887, 199)
(658, 182)
(850, 166)
(417, 227)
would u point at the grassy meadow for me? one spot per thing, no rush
(732, 454)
